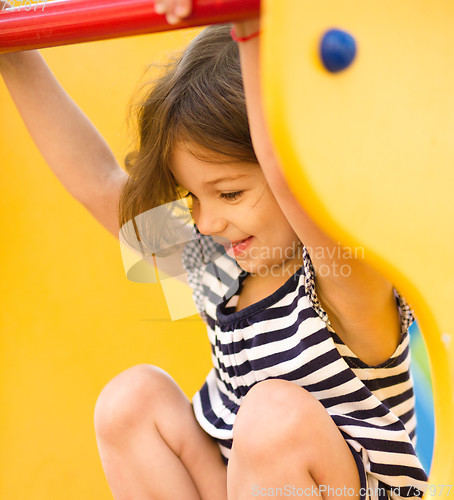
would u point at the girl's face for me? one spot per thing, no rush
(233, 204)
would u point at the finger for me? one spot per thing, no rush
(171, 19)
(171, 16)
(174, 10)
(160, 7)
(183, 8)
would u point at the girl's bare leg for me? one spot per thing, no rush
(150, 444)
(284, 438)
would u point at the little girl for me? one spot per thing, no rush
(310, 393)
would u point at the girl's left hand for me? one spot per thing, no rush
(174, 10)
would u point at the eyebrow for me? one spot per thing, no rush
(229, 178)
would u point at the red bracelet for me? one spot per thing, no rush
(239, 39)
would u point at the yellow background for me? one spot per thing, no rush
(70, 321)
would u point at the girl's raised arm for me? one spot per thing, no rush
(361, 305)
(68, 141)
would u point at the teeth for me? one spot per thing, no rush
(238, 242)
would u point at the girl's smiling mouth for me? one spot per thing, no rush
(238, 247)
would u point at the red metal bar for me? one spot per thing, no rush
(46, 24)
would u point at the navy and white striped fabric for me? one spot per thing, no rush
(288, 336)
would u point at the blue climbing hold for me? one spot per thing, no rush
(337, 50)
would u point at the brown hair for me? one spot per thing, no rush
(200, 101)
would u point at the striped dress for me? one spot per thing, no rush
(287, 336)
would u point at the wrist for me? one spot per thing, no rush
(245, 29)
(242, 39)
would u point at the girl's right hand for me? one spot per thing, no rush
(174, 10)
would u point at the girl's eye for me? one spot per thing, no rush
(231, 196)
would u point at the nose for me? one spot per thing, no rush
(208, 220)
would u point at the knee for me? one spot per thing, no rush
(129, 398)
(275, 415)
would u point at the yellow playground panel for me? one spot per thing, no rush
(369, 151)
(70, 320)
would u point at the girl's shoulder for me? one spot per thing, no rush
(199, 251)
(405, 311)
(209, 269)
(195, 254)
